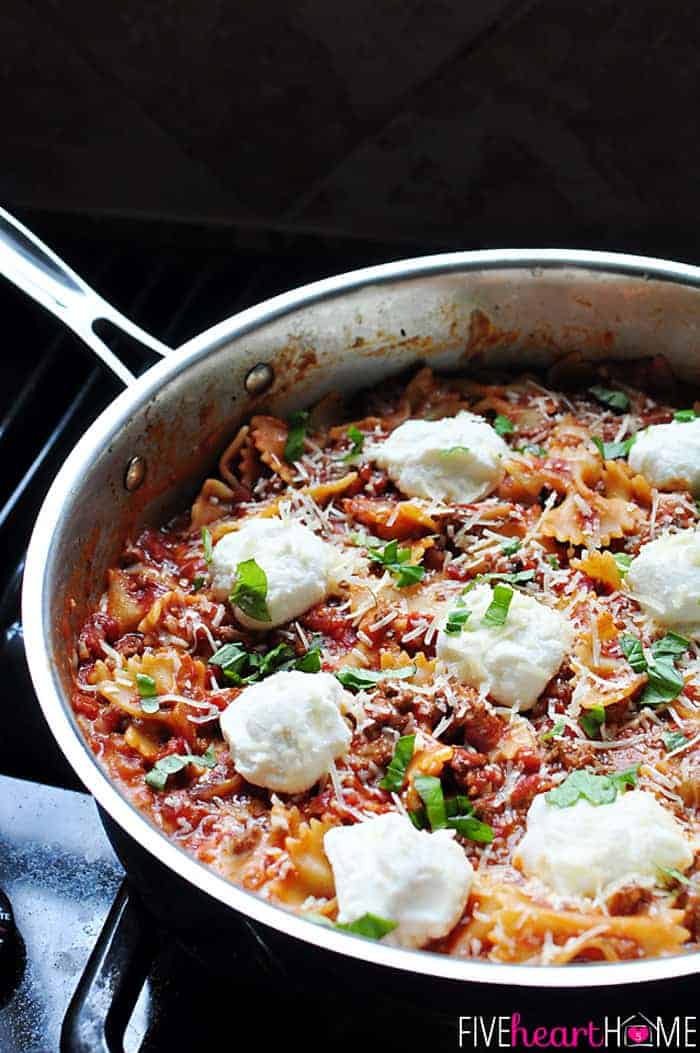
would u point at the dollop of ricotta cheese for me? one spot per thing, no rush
(457, 459)
(512, 662)
(384, 866)
(284, 732)
(665, 578)
(668, 455)
(298, 566)
(585, 849)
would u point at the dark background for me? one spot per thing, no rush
(192, 157)
(410, 124)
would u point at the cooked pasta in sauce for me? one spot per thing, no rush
(403, 668)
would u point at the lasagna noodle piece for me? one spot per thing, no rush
(512, 927)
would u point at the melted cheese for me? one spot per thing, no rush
(456, 459)
(669, 455)
(384, 866)
(585, 849)
(512, 662)
(298, 566)
(285, 732)
(665, 578)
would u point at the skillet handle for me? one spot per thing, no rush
(42, 275)
(106, 995)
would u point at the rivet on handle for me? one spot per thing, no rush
(259, 379)
(135, 474)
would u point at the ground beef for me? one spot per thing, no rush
(327, 619)
(111, 718)
(130, 644)
(571, 754)
(464, 761)
(618, 712)
(559, 689)
(472, 774)
(97, 628)
(691, 918)
(527, 788)
(374, 745)
(243, 840)
(632, 899)
(229, 634)
(480, 728)
(427, 712)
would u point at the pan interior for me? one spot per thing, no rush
(342, 336)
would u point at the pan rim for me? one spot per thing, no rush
(56, 709)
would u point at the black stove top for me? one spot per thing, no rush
(69, 966)
(61, 877)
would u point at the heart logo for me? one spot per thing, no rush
(638, 1033)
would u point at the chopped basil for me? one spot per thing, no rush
(396, 561)
(294, 446)
(503, 425)
(357, 679)
(671, 874)
(456, 620)
(396, 772)
(454, 449)
(369, 925)
(616, 400)
(250, 591)
(390, 554)
(591, 721)
(454, 813)
(146, 685)
(684, 416)
(206, 542)
(280, 657)
(664, 681)
(533, 448)
(626, 777)
(519, 577)
(623, 561)
(613, 451)
(429, 789)
(633, 652)
(419, 819)
(474, 829)
(233, 660)
(672, 644)
(510, 546)
(411, 574)
(310, 662)
(553, 562)
(241, 667)
(673, 740)
(557, 729)
(363, 540)
(497, 611)
(596, 789)
(149, 693)
(175, 762)
(198, 582)
(357, 439)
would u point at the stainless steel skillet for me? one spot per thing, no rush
(144, 456)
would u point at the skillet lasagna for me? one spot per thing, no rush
(427, 667)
